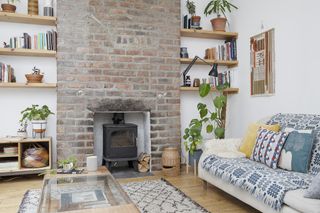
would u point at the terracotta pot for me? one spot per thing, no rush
(219, 24)
(195, 21)
(33, 78)
(9, 8)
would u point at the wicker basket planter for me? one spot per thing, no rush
(171, 162)
(34, 78)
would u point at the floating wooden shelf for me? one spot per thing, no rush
(222, 63)
(27, 52)
(210, 34)
(26, 85)
(28, 19)
(226, 91)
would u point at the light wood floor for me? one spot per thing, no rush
(213, 199)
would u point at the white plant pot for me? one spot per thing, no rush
(39, 126)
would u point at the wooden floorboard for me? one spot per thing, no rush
(213, 199)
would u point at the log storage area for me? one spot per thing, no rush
(144, 162)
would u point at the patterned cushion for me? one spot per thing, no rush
(303, 121)
(250, 137)
(268, 147)
(296, 153)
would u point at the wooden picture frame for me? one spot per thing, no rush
(262, 61)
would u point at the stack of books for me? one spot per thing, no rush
(228, 51)
(6, 73)
(222, 79)
(41, 41)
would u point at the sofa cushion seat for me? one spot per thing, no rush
(295, 200)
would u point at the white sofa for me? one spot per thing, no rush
(293, 201)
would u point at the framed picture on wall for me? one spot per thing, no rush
(262, 60)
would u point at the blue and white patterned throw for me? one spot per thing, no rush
(265, 184)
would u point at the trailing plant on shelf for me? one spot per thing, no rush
(211, 120)
(195, 20)
(219, 7)
(37, 116)
(10, 6)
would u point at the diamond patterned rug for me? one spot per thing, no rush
(154, 196)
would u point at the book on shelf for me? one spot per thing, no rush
(228, 51)
(222, 79)
(40, 41)
(6, 73)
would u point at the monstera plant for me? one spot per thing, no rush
(212, 121)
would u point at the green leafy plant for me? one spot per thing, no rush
(13, 1)
(71, 159)
(218, 7)
(191, 7)
(36, 113)
(211, 120)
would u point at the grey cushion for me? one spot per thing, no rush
(313, 191)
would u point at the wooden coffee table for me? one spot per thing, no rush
(90, 192)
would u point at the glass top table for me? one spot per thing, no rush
(84, 193)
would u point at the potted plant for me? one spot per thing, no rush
(195, 20)
(218, 7)
(211, 120)
(37, 116)
(22, 131)
(35, 77)
(10, 6)
(68, 164)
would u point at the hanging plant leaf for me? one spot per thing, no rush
(209, 128)
(204, 90)
(219, 132)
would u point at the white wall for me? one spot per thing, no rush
(196, 46)
(297, 59)
(13, 101)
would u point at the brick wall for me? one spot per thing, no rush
(131, 54)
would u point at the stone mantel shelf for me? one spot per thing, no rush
(121, 105)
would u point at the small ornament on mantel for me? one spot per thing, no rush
(33, 7)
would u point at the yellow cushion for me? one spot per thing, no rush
(249, 139)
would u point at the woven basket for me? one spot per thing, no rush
(34, 78)
(33, 7)
(171, 162)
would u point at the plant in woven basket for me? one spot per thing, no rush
(9, 7)
(35, 76)
(37, 116)
(211, 120)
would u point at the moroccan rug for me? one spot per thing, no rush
(154, 196)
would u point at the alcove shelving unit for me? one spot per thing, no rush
(27, 19)
(12, 164)
(210, 34)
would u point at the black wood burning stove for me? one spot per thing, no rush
(119, 141)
